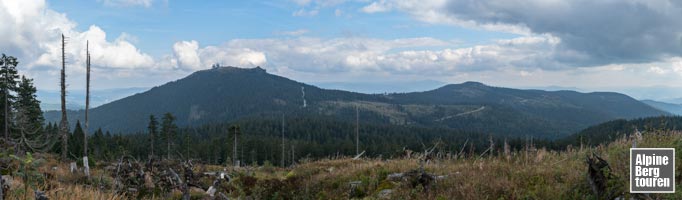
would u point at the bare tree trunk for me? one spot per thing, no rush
(64, 124)
(357, 130)
(282, 162)
(168, 145)
(152, 145)
(293, 155)
(87, 106)
(492, 146)
(187, 144)
(2, 188)
(6, 105)
(236, 161)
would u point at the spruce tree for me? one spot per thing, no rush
(76, 141)
(29, 115)
(98, 144)
(28, 120)
(8, 84)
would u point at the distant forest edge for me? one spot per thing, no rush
(312, 137)
(224, 95)
(612, 130)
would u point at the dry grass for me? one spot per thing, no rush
(62, 185)
(538, 174)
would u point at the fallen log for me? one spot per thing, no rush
(359, 155)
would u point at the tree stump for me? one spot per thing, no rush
(598, 173)
(73, 167)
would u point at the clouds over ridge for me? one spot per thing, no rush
(554, 36)
(593, 32)
(423, 56)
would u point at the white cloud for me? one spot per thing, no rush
(302, 2)
(305, 13)
(190, 57)
(599, 32)
(375, 7)
(32, 32)
(298, 32)
(187, 55)
(319, 3)
(657, 70)
(128, 3)
(317, 55)
(309, 8)
(243, 57)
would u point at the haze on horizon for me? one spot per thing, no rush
(634, 46)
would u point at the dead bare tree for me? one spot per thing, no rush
(64, 124)
(152, 132)
(357, 130)
(507, 150)
(462, 149)
(87, 106)
(283, 152)
(6, 105)
(293, 155)
(490, 149)
(235, 131)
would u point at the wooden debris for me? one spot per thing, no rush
(39, 195)
(220, 176)
(395, 177)
(73, 167)
(419, 177)
(4, 188)
(407, 153)
(385, 194)
(354, 190)
(415, 178)
(598, 174)
(7, 180)
(359, 155)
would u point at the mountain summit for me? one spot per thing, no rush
(225, 94)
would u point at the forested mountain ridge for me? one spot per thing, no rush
(226, 94)
(673, 108)
(612, 130)
(215, 95)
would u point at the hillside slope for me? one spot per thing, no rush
(675, 109)
(226, 94)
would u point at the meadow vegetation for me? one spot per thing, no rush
(527, 173)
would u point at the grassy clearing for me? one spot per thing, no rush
(534, 174)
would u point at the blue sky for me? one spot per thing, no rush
(388, 45)
(160, 25)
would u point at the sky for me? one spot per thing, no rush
(631, 46)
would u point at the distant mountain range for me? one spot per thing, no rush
(227, 94)
(379, 87)
(50, 99)
(672, 108)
